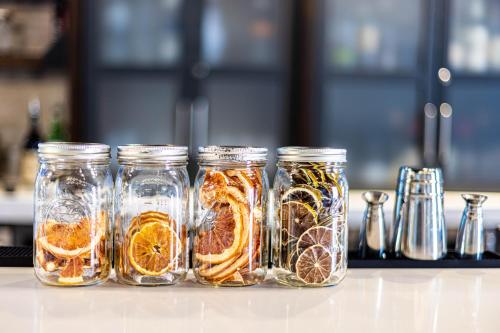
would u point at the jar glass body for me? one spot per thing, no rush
(310, 230)
(230, 245)
(151, 216)
(72, 227)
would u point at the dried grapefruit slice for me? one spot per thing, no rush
(72, 272)
(314, 265)
(213, 188)
(224, 238)
(153, 248)
(316, 236)
(66, 240)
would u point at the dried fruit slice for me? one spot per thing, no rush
(224, 238)
(213, 188)
(153, 249)
(297, 217)
(305, 194)
(148, 217)
(66, 240)
(316, 236)
(314, 265)
(72, 272)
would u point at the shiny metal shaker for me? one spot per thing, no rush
(405, 176)
(470, 241)
(424, 230)
(372, 238)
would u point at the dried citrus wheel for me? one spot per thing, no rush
(305, 194)
(297, 217)
(153, 248)
(292, 260)
(72, 272)
(223, 239)
(150, 216)
(66, 240)
(213, 187)
(314, 265)
(316, 236)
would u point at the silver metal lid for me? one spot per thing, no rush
(312, 154)
(74, 151)
(153, 153)
(232, 153)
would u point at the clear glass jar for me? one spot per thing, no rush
(151, 214)
(230, 246)
(310, 206)
(73, 202)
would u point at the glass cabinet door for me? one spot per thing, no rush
(470, 80)
(244, 53)
(372, 85)
(135, 53)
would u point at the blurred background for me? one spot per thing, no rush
(393, 81)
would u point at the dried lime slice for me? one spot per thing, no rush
(304, 194)
(297, 217)
(314, 265)
(317, 235)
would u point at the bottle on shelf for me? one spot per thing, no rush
(29, 161)
(57, 132)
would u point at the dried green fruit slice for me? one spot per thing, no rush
(314, 265)
(297, 217)
(317, 235)
(304, 194)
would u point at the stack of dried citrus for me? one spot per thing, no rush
(311, 215)
(73, 252)
(152, 246)
(227, 245)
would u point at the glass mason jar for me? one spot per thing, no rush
(310, 206)
(73, 202)
(151, 214)
(230, 232)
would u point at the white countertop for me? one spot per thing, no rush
(366, 301)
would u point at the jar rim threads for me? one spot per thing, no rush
(74, 151)
(232, 154)
(312, 154)
(151, 153)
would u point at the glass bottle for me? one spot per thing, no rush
(73, 201)
(310, 207)
(230, 232)
(151, 214)
(29, 161)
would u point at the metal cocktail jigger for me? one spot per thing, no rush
(423, 226)
(405, 176)
(470, 238)
(372, 239)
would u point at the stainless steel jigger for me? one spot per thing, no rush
(405, 176)
(423, 226)
(470, 238)
(372, 234)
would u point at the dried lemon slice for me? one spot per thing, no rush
(154, 248)
(314, 265)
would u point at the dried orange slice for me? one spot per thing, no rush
(150, 216)
(297, 217)
(153, 248)
(316, 236)
(314, 265)
(66, 240)
(224, 238)
(72, 272)
(213, 188)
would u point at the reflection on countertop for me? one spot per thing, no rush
(367, 301)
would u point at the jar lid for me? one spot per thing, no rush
(232, 153)
(153, 153)
(74, 150)
(312, 154)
